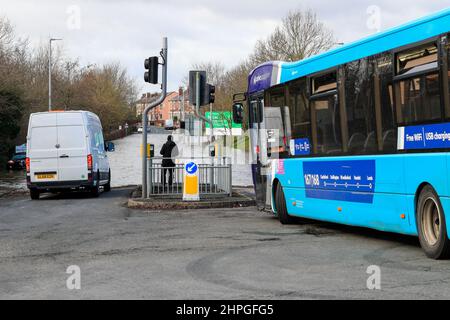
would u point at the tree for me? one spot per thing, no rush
(299, 36)
(107, 90)
(215, 71)
(11, 113)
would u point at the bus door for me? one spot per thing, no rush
(268, 136)
(256, 106)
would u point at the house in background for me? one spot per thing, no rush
(169, 109)
(144, 101)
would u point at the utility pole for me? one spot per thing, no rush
(151, 106)
(198, 115)
(50, 72)
(181, 99)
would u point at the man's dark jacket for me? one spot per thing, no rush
(169, 150)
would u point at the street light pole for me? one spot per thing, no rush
(151, 106)
(50, 72)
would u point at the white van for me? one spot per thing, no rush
(66, 151)
(168, 125)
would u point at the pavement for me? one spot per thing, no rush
(241, 197)
(199, 254)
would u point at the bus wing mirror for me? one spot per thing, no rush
(238, 111)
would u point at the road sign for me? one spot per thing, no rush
(22, 148)
(223, 124)
(190, 184)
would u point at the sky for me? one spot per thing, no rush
(128, 31)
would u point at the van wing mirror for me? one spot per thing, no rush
(109, 146)
(238, 113)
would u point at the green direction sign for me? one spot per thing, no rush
(222, 120)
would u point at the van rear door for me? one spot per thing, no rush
(72, 151)
(42, 148)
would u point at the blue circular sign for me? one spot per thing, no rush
(191, 168)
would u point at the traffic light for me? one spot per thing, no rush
(193, 87)
(207, 91)
(151, 64)
(210, 93)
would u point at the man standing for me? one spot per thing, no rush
(169, 150)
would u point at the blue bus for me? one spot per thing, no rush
(359, 135)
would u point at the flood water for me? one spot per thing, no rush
(126, 164)
(126, 161)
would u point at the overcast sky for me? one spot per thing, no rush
(101, 31)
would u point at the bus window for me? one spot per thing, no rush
(417, 92)
(360, 107)
(327, 125)
(299, 109)
(277, 97)
(447, 41)
(324, 83)
(417, 60)
(419, 99)
(388, 125)
(277, 121)
(255, 111)
(274, 130)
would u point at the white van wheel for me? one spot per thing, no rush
(95, 191)
(107, 187)
(34, 194)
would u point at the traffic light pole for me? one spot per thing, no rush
(145, 117)
(197, 107)
(198, 115)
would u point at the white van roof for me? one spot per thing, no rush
(71, 117)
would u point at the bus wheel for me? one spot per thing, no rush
(280, 203)
(431, 225)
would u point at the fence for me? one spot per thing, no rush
(214, 177)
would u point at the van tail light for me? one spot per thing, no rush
(27, 164)
(257, 149)
(89, 161)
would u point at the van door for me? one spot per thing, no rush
(99, 150)
(72, 147)
(43, 152)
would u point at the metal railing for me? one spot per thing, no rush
(214, 175)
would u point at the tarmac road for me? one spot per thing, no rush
(203, 254)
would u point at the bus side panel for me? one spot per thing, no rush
(426, 168)
(387, 210)
(383, 214)
(389, 171)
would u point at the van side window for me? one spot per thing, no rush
(101, 141)
(97, 141)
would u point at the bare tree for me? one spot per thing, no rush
(215, 71)
(299, 36)
(107, 90)
(6, 33)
